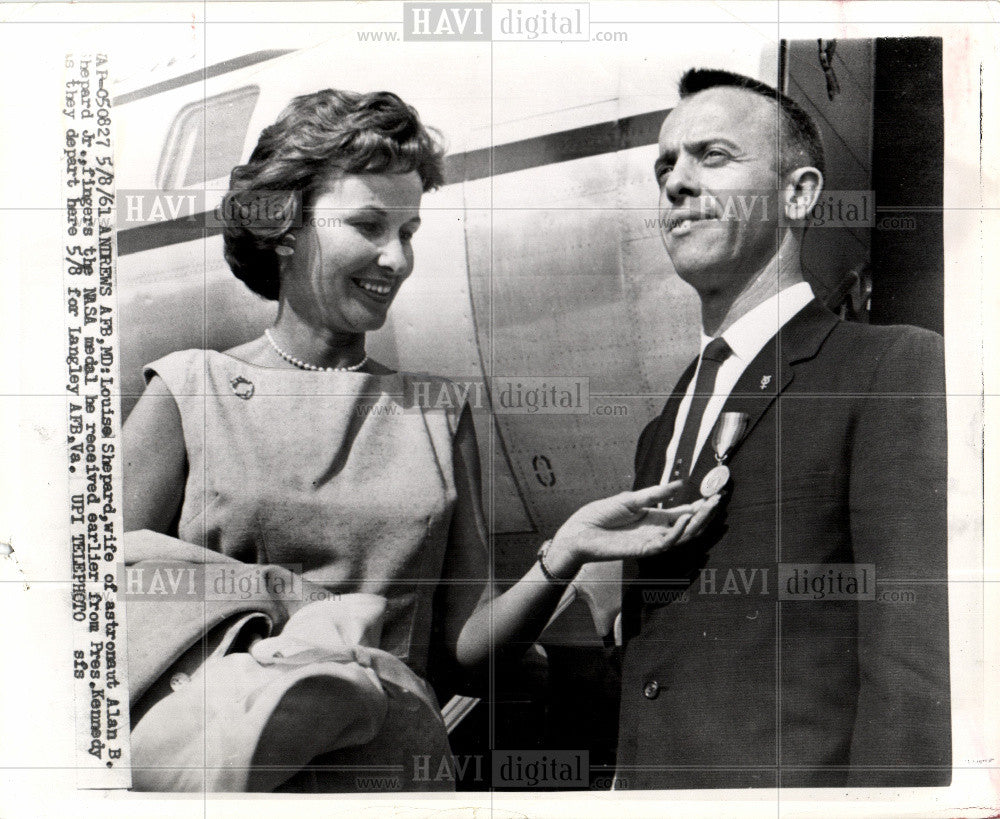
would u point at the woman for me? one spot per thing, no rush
(298, 449)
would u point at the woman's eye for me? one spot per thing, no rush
(368, 228)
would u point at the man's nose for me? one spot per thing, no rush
(682, 180)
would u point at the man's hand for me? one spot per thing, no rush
(626, 526)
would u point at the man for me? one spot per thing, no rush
(775, 670)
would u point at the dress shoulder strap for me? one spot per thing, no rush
(183, 372)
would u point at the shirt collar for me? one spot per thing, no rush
(749, 333)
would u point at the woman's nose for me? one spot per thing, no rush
(394, 258)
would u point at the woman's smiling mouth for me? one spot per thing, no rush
(378, 291)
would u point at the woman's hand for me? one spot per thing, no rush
(624, 526)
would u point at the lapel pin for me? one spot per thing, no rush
(764, 381)
(242, 387)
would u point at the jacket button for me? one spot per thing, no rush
(651, 690)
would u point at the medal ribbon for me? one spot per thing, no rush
(729, 429)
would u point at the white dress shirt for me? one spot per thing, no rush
(746, 337)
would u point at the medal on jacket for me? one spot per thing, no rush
(729, 429)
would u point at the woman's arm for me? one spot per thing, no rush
(610, 529)
(155, 460)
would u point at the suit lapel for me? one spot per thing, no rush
(652, 460)
(764, 379)
(770, 373)
(757, 388)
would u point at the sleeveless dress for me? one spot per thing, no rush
(345, 478)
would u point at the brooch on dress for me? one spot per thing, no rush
(242, 387)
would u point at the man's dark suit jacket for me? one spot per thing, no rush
(844, 463)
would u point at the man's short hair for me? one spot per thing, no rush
(800, 141)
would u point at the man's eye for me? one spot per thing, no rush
(714, 156)
(663, 172)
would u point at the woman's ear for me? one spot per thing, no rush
(801, 192)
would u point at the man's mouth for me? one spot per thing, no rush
(680, 222)
(377, 290)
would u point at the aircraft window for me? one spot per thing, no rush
(206, 139)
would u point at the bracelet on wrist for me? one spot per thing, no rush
(552, 578)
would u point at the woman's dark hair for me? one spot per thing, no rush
(316, 137)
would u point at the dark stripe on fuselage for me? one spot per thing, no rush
(205, 73)
(535, 152)
(562, 146)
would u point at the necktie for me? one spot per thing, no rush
(715, 353)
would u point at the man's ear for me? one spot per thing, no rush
(801, 192)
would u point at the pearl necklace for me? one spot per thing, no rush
(302, 365)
